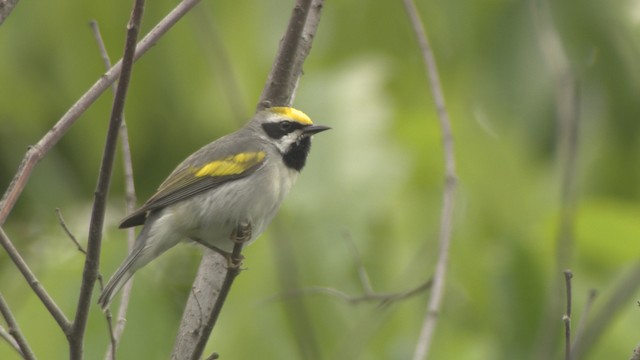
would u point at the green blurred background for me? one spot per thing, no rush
(375, 179)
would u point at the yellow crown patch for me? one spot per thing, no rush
(292, 113)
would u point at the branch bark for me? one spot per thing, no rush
(92, 259)
(35, 284)
(130, 203)
(278, 91)
(6, 6)
(14, 331)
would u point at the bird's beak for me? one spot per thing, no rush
(314, 129)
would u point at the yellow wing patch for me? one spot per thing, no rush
(292, 113)
(231, 165)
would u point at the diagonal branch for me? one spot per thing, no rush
(448, 196)
(4, 334)
(92, 259)
(19, 342)
(279, 90)
(294, 48)
(35, 284)
(43, 146)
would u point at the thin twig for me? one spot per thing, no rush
(43, 146)
(10, 340)
(448, 196)
(96, 224)
(14, 331)
(362, 271)
(620, 298)
(567, 316)
(130, 201)
(568, 131)
(35, 284)
(68, 232)
(381, 298)
(74, 239)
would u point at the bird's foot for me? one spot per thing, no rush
(231, 263)
(241, 233)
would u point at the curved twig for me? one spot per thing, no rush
(446, 217)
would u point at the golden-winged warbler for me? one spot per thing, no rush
(240, 178)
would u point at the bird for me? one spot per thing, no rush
(236, 182)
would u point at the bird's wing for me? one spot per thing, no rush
(188, 180)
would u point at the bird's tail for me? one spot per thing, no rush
(117, 281)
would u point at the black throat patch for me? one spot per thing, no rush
(296, 156)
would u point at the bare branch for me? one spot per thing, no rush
(232, 272)
(194, 333)
(40, 149)
(294, 48)
(10, 340)
(279, 90)
(14, 332)
(362, 271)
(130, 200)
(35, 284)
(448, 196)
(620, 298)
(568, 126)
(68, 232)
(209, 280)
(382, 298)
(92, 261)
(567, 316)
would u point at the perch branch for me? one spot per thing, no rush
(92, 259)
(448, 196)
(278, 90)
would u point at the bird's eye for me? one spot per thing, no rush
(286, 126)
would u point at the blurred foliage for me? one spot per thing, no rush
(376, 178)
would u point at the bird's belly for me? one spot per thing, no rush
(213, 216)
